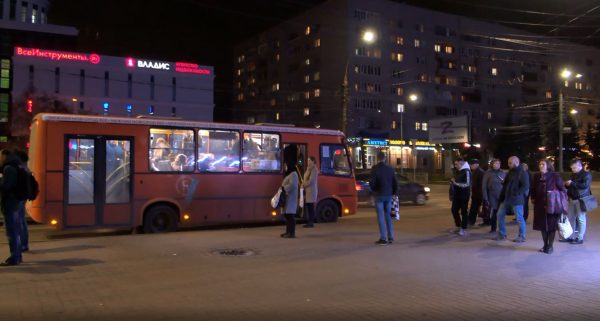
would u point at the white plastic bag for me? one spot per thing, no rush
(277, 200)
(564, 227)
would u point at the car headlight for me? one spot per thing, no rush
(427, 189)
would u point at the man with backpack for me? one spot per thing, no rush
(11, 204)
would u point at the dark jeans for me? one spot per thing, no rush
(474, 210)
(493, 219)
(290, 224)
(526, 208)
(310, 213)
(460, 205)
(24, 228)
(12, 225)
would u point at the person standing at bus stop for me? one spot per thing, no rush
(310, 190)
(10, 205)
(24, 158)
(291, 187)
(384, 185)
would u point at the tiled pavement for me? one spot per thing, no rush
(332, 272)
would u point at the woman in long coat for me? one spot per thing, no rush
(311, 190)
(546, 182)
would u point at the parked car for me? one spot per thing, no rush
(407, 191)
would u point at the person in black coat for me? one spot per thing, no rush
(384, 185)
(578, 186)
(545, 219)
(460, 191)
(10, 204)
(476, 191)
(515, 187)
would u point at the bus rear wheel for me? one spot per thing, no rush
(160, 219)
(328, 211)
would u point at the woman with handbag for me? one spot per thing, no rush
(549, 202)
(290, 186)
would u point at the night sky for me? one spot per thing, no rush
(205, 31)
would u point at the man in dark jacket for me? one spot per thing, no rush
(460, 187)
(10, 205)
(476, 191)
(578, 186)
(383, 185)
(514, 190)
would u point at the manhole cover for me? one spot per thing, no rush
(234, 252)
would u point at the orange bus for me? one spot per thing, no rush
(160, 174)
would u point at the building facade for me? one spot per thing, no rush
(381, 70)
(106, 85)
(25, 23)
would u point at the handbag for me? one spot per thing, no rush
(557, 202)
(564, 227)
(395, 212)
(485, 210)
(588, 203)
(279, 199)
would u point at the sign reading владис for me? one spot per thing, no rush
(449, 130)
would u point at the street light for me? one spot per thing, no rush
(369, 36)
(413, 98)
(573, 112)
(566, 75)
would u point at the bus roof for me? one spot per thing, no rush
(179, 123)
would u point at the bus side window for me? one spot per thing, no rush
(334, 160)
(171, 150)
(218, 151)
(261, 152)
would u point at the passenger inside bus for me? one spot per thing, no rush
(179, 162)
(160, 152)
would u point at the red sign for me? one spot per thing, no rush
(191, 68)
(57, 55)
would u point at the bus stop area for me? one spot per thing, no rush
(331, 272)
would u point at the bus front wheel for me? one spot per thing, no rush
(328, 211)
(160, 219)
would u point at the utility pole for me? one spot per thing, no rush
(345, 101)
(560, 131)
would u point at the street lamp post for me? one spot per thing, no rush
(566, 75)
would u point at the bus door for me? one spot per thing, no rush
(98, 184)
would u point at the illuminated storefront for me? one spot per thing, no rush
(401, 154)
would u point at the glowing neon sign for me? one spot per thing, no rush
(191, 68)
(148, 64)
(57, 55)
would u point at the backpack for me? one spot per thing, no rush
(27, 186)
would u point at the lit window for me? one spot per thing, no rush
(277, 57)
(239, 72)
(317, 92)
(437, 48)
(566, 83)
(548, 94)
(423, 77)
(317, 42)
(451, 65)
(417, 126)
(239, 84)
(171, 150)
(472, 68)
(489, 115)
(417, 43)
(275, 86)
(307, 95)
(399, 40)
(252, 81)
(306, 111)
(578, 85)
(424, 126)
(276, 116)
(273, 101)
(400, 108)
(261, 152)
(394, 124)
(396, 56)
(399, 91)
(218, 150)
(317, 76)
(307, 30)
(306, 79)
(240, 96)
(307, 62)
(495, 71)
(449, 49)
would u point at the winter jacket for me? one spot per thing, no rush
(580, 185)
(311, 188)
(491, 187)
(383, 180)
(543, 187)
(461, 187)
(290, 185)
(9, 181)
(476, 186)
(516, 187)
